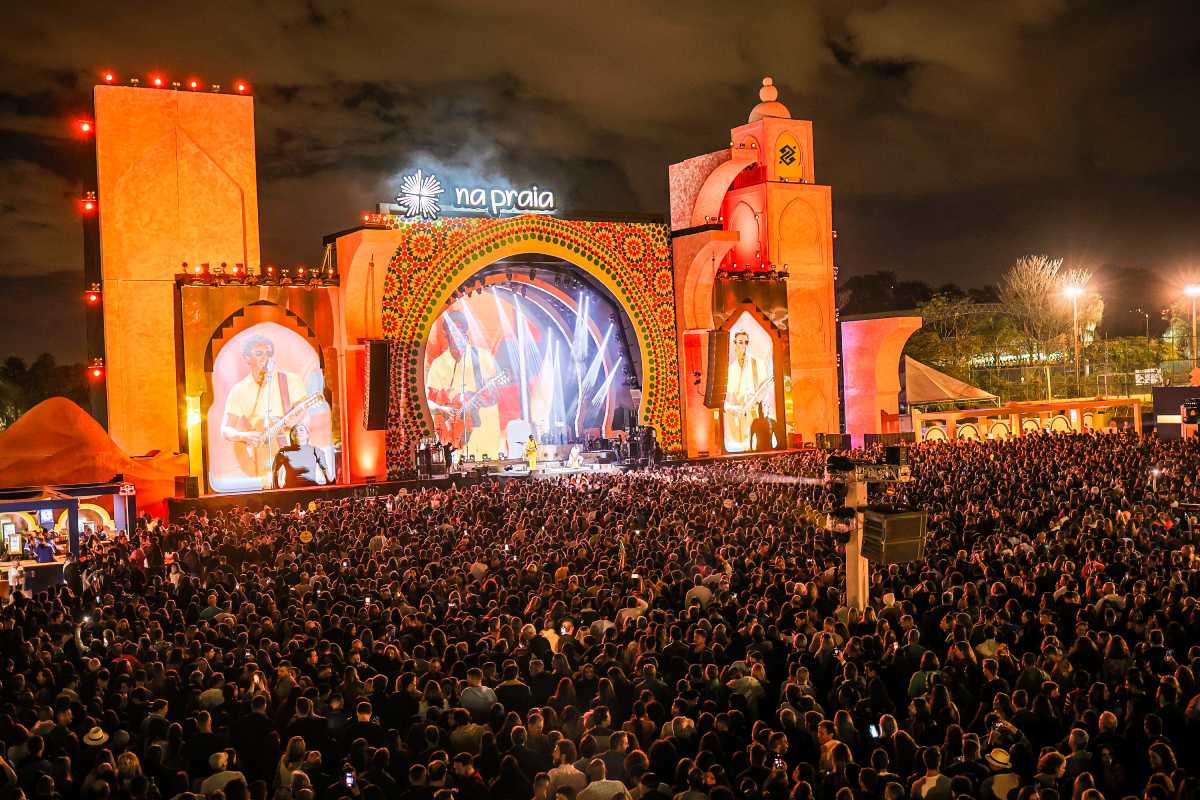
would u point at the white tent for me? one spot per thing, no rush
(925, 386)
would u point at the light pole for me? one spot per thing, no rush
(1192, 290)
(1074, 293)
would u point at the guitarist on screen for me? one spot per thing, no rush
(256, 402)
(746, 377)
(454, 383)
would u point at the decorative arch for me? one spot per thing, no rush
(712, 192)
(999, 430)
(105, 518)
(934, 433)
(967, 431)
(251, 314)
(798, 241)
(1031, 425)
(433, 258)
(744, 220)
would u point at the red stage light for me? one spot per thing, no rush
(193, 84)
(241, 87)
(196, 270)
(85, 126)
(96, 372)
(109, 77)
(92, 298)
(157, 81)
(87, 205)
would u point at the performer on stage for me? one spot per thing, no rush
(746, 374)
(459, 387)
(298, 463)
(255, 403)
(760, 431)
(531, 453)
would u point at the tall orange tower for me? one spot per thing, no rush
(176, 180)
(757, 210)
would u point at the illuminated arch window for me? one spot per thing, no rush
(788, 159)
(89, 514)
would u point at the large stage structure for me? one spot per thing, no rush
(484, 316)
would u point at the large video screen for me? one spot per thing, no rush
(268, 393)
(749, 409)
(514, 360)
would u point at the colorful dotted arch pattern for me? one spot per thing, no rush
(433, 258)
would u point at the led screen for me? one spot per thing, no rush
(517, 359)
(749, 408)
(266, 380)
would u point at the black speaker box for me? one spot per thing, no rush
(377, 367)
(717, 380)
(894, 537)
(187, 486)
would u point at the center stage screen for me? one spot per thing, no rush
(509, 362)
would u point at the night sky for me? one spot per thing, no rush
(954, 142)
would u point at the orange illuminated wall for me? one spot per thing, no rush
(871, 350)
(757, 207)
(176, 180)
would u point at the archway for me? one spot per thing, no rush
(434, 259)
(89, 514)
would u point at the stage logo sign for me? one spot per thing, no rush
(420, 194)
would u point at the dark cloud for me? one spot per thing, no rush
(956, 137)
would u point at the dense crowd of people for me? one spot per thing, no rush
(672, 633)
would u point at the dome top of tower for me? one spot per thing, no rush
(769, 105)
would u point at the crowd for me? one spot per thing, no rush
(674, 633)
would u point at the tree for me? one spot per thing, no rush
(22, 387)
(1032, 293)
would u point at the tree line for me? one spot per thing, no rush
(23, 386)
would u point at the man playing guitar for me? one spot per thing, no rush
(460, 387)
(255, 403)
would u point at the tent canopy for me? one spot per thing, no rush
(925, 386)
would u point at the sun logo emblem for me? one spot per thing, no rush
(419, 195)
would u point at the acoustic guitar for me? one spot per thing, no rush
(753, 400)
(254, 458)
